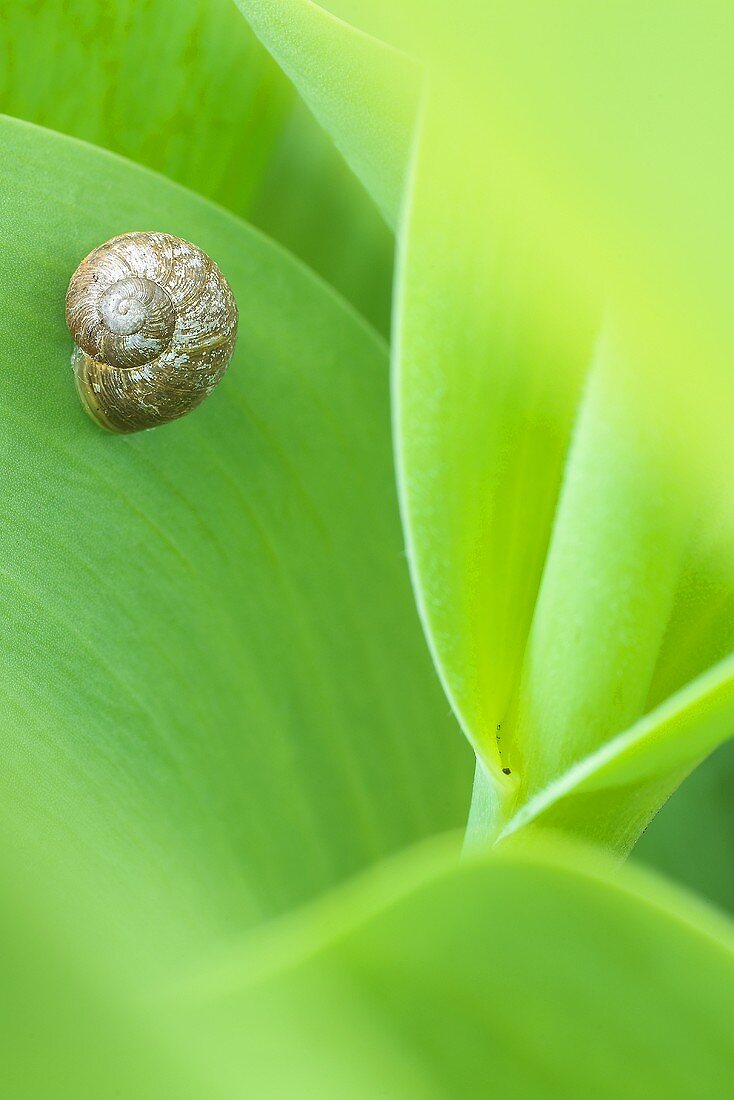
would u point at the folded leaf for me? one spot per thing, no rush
(510, 251)
(630, 775)
(611, 575)
(487, 377)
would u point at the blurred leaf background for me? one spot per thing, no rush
(187, 90)
(218, 701)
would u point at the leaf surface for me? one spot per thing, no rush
(212, 673)
(361, 90)
(554, 523)
(182, 88)
(536, 972)
(486, 383)
(611, 793)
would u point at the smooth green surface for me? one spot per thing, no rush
(426, 978)
(363, 92)
(310, 201)
(609, 579)
(698, 819)
(69, 1028)
(182, 88)
(561, 475)
(483, 405)
(213, 675)
(436, 980)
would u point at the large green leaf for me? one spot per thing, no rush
(550, 577)
(534, 976)
(212, 672)
(486, 384)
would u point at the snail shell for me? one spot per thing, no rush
(154, 323)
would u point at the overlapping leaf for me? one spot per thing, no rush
(562, 588)
(363, 92)
(436, 979)
(427, 978)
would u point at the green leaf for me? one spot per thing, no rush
(212, 675)
(701, 628)
(182, 88)
(427, 977)
(361, 90)
(609, 581)
(550, 576)
(310, 201)
(631, 774)
(537, 973)
(564, 591)
(71, 1028)
(486, 383)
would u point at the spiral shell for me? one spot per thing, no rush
(154, 324)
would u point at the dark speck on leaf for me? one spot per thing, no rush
(507, 771)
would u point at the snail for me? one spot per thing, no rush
(154, 324)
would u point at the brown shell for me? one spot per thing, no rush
(154, 323)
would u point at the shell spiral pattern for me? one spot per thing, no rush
(154, 324)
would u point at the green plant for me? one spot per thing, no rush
(219, 706)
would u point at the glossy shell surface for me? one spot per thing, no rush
(154, 324)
